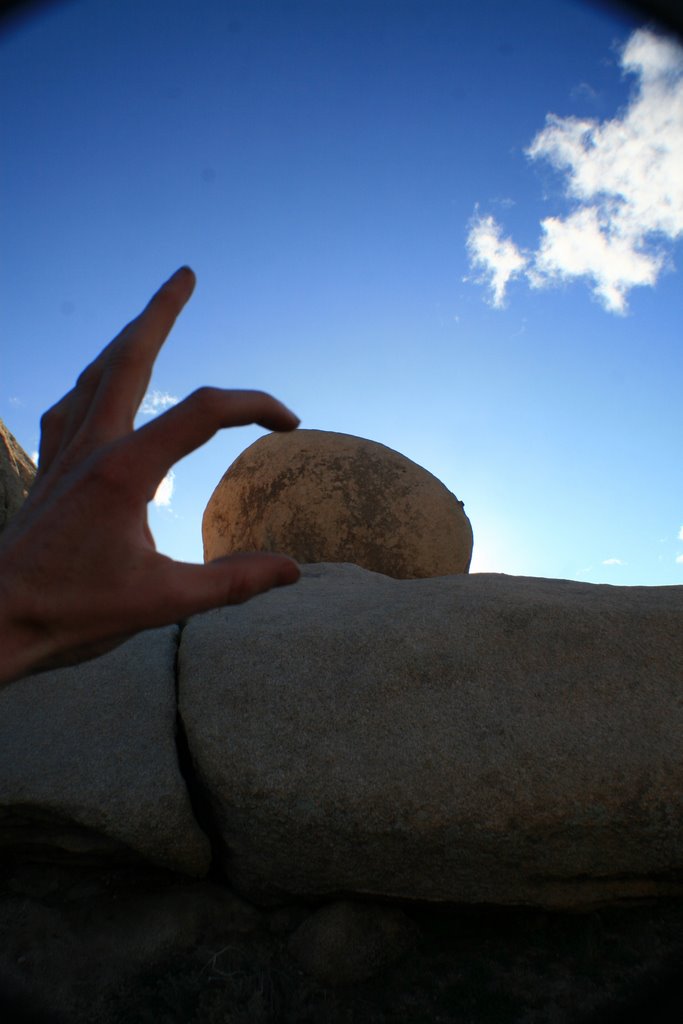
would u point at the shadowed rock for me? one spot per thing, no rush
(346, 942)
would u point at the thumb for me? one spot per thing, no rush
(229, 580)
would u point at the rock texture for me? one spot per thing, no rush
(469, 739)
(16, 475)
(475, 739)
(73, 938)
(325, 497)
(81, 945)
(89, 766)
(481, 739)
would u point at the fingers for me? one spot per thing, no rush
(103, 403)
(52, 434)
(161, 312)
(125, 366)
(148, 331)
(232, 580)
(102, 406)
(155, 447)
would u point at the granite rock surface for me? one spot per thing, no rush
(89, 764)
(320, 496)
(469, 739)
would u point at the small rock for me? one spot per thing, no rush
(348, 942)
(286, 919)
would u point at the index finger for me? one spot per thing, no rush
(128, 360)
(160, 444)
(102, 404)
(150, 329)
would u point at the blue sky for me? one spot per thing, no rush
(388, 233)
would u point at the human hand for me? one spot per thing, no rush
(79, 571)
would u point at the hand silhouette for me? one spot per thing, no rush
(79, 572)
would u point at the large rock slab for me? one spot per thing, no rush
(471, 738)
(16, 475)
(320, 496)
(89, 766)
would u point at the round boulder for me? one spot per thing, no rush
(345, 943)
(319, 496)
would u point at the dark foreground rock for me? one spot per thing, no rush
(82, 945)
(346, 942)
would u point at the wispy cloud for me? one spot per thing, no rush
(680, 533)
(584, 91)
(164, 492)
(498, 259)
(679, 559)
(156, 401)
(34, 457)
(623, 179)
(613, 561)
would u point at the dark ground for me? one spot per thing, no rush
(136, 946)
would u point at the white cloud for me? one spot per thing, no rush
(499, 258)
(651, 56)
(156, 401)
(34, 458)
(164, 492)
(613, 561)
(680, 533)
(583, 246)
(679, 559)
(623, 178)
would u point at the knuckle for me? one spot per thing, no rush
(207, 400)
(125, 356)
(52, 418)
(86, 378)
(110, 470)
(261, 397)
(47, 420)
